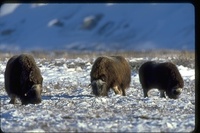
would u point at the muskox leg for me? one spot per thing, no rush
(104, 92)
(162, 94)
(145, 91)
(123, 92)
(117, 90)
(13, 99)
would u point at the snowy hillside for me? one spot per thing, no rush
(96, 26)
(68, 105)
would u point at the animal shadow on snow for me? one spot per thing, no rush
(51, 97)
(58, 96)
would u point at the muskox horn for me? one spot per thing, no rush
(36, 87)
(89, 85)
(98, 87)
(177, 91)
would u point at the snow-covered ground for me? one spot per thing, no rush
(67, 104)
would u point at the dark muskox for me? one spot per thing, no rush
(23, 79)
(110, 72)
(163, 76)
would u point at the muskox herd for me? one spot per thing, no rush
(23, 78)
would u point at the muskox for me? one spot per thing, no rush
(163, 76)
(23, 79)
(110, 72)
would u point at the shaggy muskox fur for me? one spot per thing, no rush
(23, 79)
(163, 76)
(110, 72)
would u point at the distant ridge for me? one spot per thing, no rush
(97, 27)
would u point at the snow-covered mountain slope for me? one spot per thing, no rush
(97, 26)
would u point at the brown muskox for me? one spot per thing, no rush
(23, 79)
(110, 72)
(163, 76)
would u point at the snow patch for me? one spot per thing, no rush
(7, 9)
(187, 73)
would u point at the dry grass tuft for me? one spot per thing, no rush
(185, 58)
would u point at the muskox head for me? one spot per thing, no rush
(33, 95)
(99, 87)
(174, 92)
